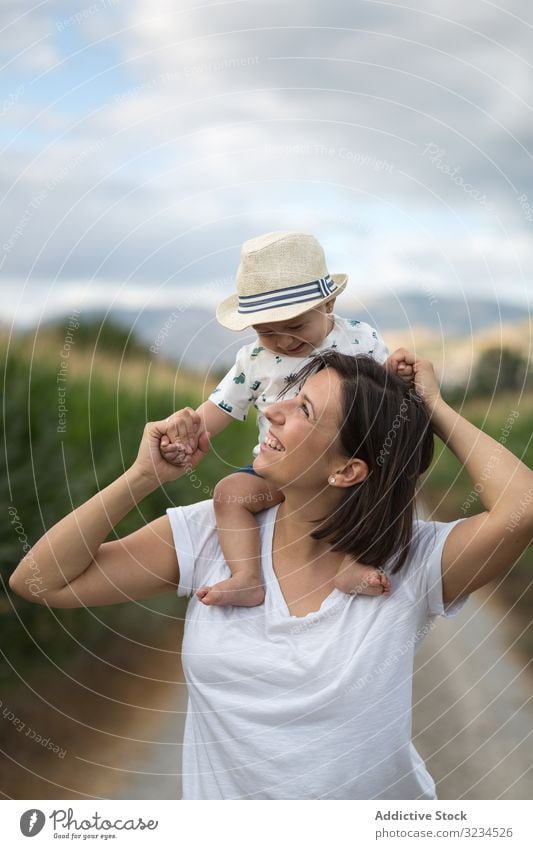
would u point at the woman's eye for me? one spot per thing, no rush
(305, 408)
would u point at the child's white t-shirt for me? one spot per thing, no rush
(313, 707)
(259, 375)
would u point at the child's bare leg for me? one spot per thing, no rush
(355, 578)
(237, 498)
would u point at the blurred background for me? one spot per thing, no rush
(142, 143)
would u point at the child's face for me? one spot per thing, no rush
(298, 336)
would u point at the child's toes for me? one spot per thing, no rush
(385, 582)
(374, 578)
(378, 583)
(373, 589)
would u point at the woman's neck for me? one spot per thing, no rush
(297, 518)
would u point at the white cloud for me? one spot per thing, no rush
(206, 132)
(27, 29)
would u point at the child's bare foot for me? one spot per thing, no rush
(355, 579)
(243, 589)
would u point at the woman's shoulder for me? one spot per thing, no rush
(198, 552)
(427, 531)
(196, 523)
(426, 536)
(425, 551)
(421, 575)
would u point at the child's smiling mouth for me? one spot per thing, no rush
(296, 349)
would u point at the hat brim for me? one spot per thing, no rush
(228, 315)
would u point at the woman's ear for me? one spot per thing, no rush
(329, 305)
(354, 472)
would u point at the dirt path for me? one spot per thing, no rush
(154, 770)
(110, 714)
(473, 697)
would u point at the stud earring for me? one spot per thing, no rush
(332, 480)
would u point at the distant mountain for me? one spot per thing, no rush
(193, 337)
(455, 317)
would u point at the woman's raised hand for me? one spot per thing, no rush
(417, 372)
(151, 464)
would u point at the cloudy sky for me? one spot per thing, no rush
(144, 140)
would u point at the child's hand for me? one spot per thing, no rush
(181, 440)
(175, 452)
(400, 363)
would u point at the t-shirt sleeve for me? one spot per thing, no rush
(196, 542)
(366, 338)
(233, 394)
(380, 351)
(424, 577)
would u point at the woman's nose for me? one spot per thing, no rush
(274, 413)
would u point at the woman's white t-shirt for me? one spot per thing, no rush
(313, 707)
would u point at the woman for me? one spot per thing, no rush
(309, 695)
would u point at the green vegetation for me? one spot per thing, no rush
(100, 334)
(499, 370)
(46, 472)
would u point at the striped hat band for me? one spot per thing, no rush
(287, 296)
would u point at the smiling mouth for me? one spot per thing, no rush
(297, 348)
(271, 442)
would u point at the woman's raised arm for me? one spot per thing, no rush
(72, 566)
(481, 547)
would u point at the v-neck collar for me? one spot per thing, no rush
(272, 579)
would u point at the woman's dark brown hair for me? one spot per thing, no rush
(386, 424)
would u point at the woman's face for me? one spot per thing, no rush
(303, 435)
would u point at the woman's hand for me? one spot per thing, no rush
(423, 380)
(151, 464)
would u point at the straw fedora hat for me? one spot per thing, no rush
(280, 276)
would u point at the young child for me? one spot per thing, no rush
(286, 294)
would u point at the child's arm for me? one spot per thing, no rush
(212, 418)
(185, 428)
(229, 401)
